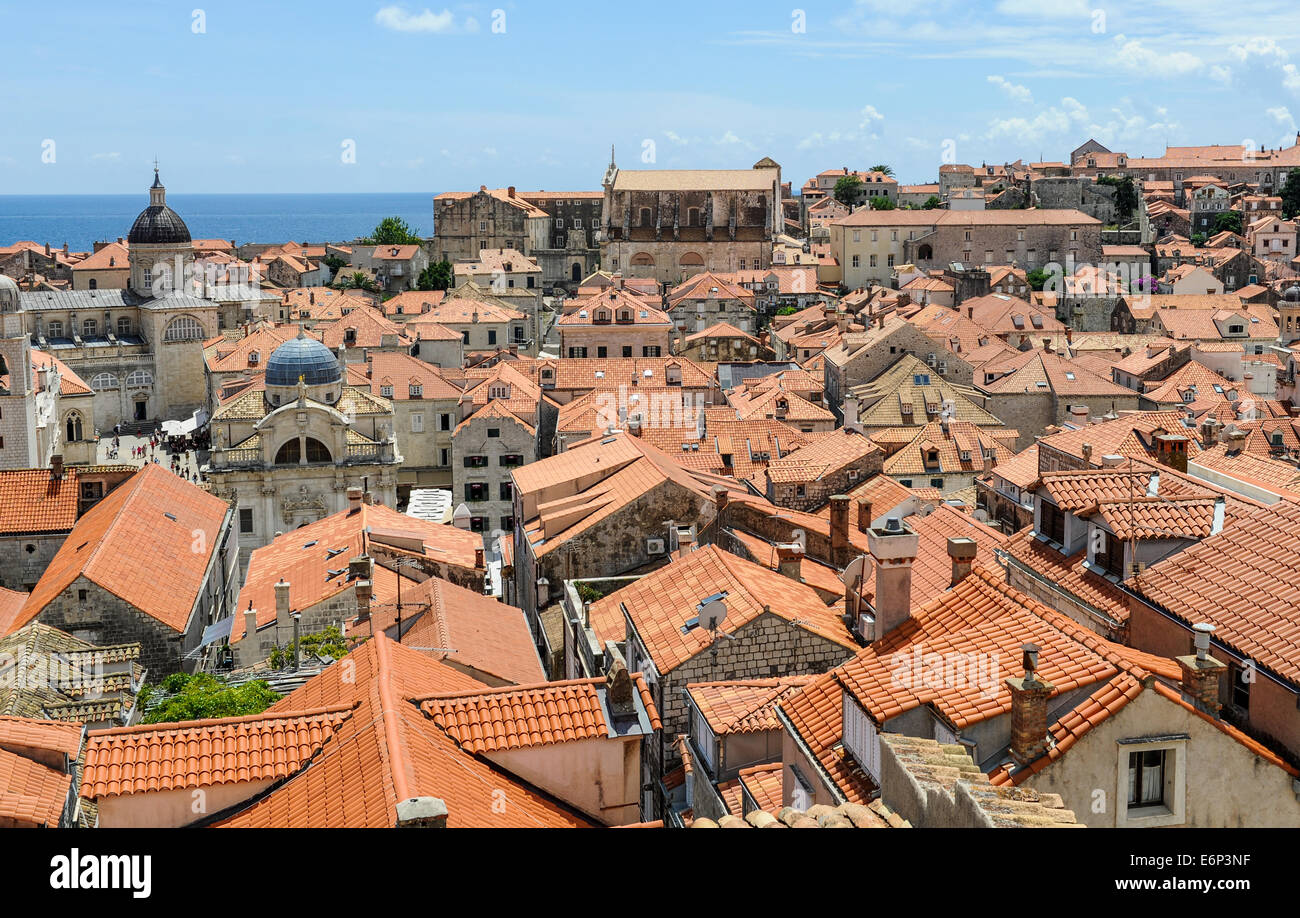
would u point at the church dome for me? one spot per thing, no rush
(302, 357)
(8, 294)
(1292, 294)
(158, 224)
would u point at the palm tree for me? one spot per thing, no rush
(887, 170)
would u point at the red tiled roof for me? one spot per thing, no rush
(31, 793)
(388, 751)
(53, 735)
(522, 717)
(32, 500)
(139, 543)
(203, 753)
(743, 705)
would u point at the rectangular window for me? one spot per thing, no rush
(507, 491)
(444, 422)
(246, 520)
(627, 350)
(1146, 778)
(651, 350)
(476, 491)
(510, 460)
(602, 352)
(445, 458)
(492, 336)
(494, 432)
(507, 524)
(417, 422)
(1053, 522)
(478, 523)
(476, 462)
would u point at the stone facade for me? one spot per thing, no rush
(486, 448)
(670, 225)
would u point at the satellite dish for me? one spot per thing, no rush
(856, 572)
(713, 614)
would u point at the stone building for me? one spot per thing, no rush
(286, 454)
(775, 625)
(614, 324)
(426, 410)
(673, 224)
(155, 562)
(140, 348)
(706, 299)
(556, 229)
(806, 478)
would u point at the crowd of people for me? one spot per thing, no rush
(180, 454)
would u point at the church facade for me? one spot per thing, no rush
(286, 455)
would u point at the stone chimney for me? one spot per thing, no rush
(478, 559)
(422, 813)
(1079, 415)
(893, 548)
(1202, 673)
(962, 551)
(282, 616)
(864, 516)
(56, 467)
(250, 621)
(364, 590)
(354, 499)
(360, 567)
(1087, 453)
(721, 497)
(621, 693)
(1112, 461)
(841, 547)
(789, 559)
(1029, 696)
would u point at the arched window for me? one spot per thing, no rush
(643, 259)
(693, 216)
(645, 216)
(291, 452)
(55, 330)
(89, 328)
(101, 381)
(184, 328)
(73, 427)
(925, 253)
(691, 260)
(123, 326)
(139, 378)
(94, 284)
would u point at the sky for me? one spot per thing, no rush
(364, 96)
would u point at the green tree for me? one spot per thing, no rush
(1037, 278)
(882, 203)
(355, 280)
(1228, 221)
(882, 168)
(334, 263)
(847, 189)
(201, 696)
(1291, 195)
(438, 276)
(931, 202)
(1126, 198)
(1198, 239)
(392, 231)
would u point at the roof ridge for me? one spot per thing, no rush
(268, 714)
(398, 767)
(504, 689)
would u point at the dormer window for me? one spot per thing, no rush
(416, 390)
(386, 391)
(500, 390)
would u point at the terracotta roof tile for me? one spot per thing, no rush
(31, 793)
(33, 500)
(53, 735)
(745, 705)
(204, 753)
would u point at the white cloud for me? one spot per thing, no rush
(1260, 47)
(1291, 77)
(1133, 55)
(676, 138)
(1282, 115)
(1221, 74)
(1061, 9)
(107, 157)
(869, 117)
(398, 19)
(1016, 92)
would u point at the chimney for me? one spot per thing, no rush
(422, 813)
(1079, 415)
(1087, 453)
(962, 551)
(893, 548)
(788, 560)
(841, 547)
(619, 690)
(56, 467)
(367, 498)
(364, 590)
(1202, 673)
(1111, 461)
(360, 568)
(864, 516)
(250, 620)
(721, 496)
(478, 559)
(1029, 696)
(511, 191)
(354, 500)
(282, 618)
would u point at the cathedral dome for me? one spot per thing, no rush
(158, 224)
(302, 357)
(8, 294)
(1292, 295)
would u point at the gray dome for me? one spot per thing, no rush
(158, 224)
(1292, 294)
(302, 357)
(8, 294)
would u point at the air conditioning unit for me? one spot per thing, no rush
(654, 546)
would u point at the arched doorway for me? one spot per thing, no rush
(925, 253)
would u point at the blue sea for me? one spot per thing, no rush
(81, 220)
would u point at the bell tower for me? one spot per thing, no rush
(18, 445)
